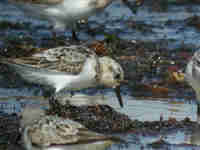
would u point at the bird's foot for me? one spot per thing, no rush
(52, 100)
(60, 98)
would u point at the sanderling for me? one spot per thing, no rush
(61, 13)
(47, 132)
(71, 68)
(192, 76)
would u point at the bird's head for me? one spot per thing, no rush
(112, 75)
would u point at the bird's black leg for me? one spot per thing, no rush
(74, 36)
(72, 93)
(198, 109)
(74, 28)
(198, 113)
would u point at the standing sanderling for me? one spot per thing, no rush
(192, 75)
(71, 68)
(43, 132)
(61, 13)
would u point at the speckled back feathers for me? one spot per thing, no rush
(69, 59)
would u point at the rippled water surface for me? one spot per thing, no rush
(117, 18)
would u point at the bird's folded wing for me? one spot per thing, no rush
(67, 62)
(51, 63)
(32, 74)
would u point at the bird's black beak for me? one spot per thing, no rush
(119, 97)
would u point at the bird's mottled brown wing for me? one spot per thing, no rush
(39, 1)
(69, 59)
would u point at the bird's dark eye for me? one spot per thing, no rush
(117, 76)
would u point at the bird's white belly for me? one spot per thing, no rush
(70, 11)
(71, 82)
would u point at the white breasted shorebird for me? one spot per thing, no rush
(192, 75)
(43, 132)
(61, 13)
(71, 68)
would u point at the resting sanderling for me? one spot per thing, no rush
(43, 132)
(71, 68)
(61, 13)
(192, 75)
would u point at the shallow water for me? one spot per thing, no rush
(145, 25)
(118, 19)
